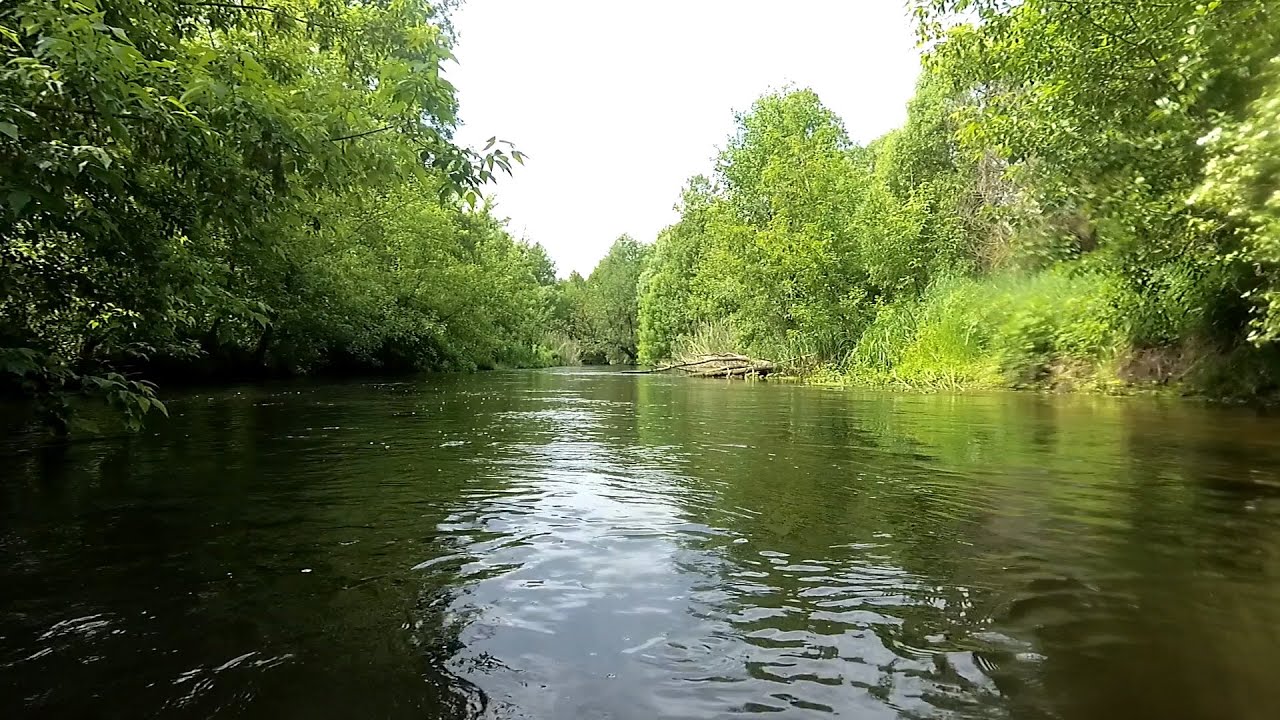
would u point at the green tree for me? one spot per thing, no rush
(802, 233)
(1240, 188)
(672, 292)
(611, 301)
(1098, 108)
(171, 172)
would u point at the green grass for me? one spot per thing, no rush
(1012, 330)
(707, 339)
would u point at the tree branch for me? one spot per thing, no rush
(366, 133)
(259, 8)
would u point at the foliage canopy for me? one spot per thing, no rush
(266, 186)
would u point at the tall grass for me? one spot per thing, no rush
(794, 353)
(991, 332)
(707, 339)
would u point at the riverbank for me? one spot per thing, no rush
(1058, 330)
(995, 239)
(1064, 329)
(1098, 381)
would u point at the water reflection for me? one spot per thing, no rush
(569, 544)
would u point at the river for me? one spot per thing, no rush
(583, 544)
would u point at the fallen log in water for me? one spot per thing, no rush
(760, 369)
(725, 365)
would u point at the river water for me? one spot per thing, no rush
(576, 544)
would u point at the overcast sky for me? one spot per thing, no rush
(618, 103)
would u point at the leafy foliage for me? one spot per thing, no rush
(1242, 183)
(801, 233)
(244, 187)
(600, 312)
(1099, 106)
(1081, 186)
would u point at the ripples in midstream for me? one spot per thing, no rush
(589, 587)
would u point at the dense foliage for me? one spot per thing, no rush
(244, 188)
(801, 234)
(1082, 191)
(598, 315)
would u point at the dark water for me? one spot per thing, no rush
(575, 545)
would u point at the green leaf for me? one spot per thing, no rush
(9, 129)
(18, 200)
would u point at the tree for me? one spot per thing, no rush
(1240, 188)
(170, 170)
(611, 301)
(1098, 108)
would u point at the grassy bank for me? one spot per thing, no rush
(1061, 329)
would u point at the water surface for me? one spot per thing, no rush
(572, 544)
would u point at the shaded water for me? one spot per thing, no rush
(561, 545)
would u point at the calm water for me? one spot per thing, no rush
(561, 545)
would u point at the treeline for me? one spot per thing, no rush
(195, 189)
(596, 318)
(1084, 192)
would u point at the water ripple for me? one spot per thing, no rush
(588, 545)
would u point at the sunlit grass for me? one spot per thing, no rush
(1011, 330)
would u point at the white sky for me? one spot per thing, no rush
(618, 103)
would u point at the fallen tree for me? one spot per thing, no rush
(725, 365)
